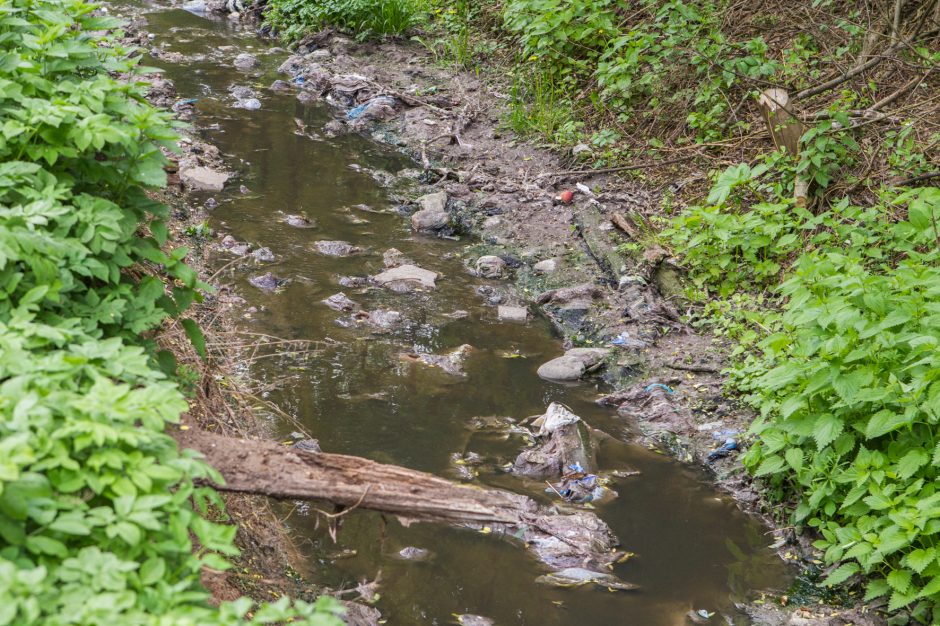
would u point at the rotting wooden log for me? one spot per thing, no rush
(271, 469)
(559, 539)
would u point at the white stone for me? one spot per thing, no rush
(204, 178)
(513, 313)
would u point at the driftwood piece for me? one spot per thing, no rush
(786, 130)
(570, 539)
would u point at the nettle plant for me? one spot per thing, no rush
(850, 405)
(97, 523)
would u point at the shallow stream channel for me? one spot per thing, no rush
(358, 395)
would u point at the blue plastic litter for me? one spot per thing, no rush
(189, 101)
(298, 80)
(620, 339)
(359, 110)
(665, 388)
(729, 445)
(578, 486)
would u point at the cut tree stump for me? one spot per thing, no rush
(560, 539)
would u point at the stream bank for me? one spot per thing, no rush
(357, 375)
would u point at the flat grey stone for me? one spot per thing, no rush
(513, 314)
(417, 276)
(204, 178)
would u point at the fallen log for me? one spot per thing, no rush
(559, 539)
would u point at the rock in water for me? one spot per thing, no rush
(203, 178)
(574, 364)
(267, 282)
(339, 302)
(298, 221)
(337, 248)
(513, 314)
(263, 255)
(246, 61)
(430, 220)
(406, 278)
(393, 257)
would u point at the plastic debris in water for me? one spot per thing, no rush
(579, 486)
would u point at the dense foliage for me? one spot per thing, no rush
(96, 520)
(845, 368)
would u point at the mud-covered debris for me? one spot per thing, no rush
(393, 257)
(491, 266)
(250, 104)
(556, 416)
(647, 401)
(468, 619)
(234, 246)
(340, 302)
(586, 291)
(353, 282)
(263, 255)
(378, 109)
(574, 364)
(360, 614)
(242, 92)
(336, 248)
(203, 178)
(299, 221)
(518, 314)
(578, 576)
(578, 539)
(563, 441)
(411, 553)
(334, 128)
(280, 86)
(406, 278)
(451, 363)
(292, 65)
(580, 487)
(582, 151)
(459, 314)
(246, 61)
(267, 282)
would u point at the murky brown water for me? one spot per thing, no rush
(695, 549)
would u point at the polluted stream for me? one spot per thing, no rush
(357, 394)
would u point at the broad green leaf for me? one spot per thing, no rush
(841, 574)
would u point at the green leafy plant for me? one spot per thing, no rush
(96, 518)
(292, 19)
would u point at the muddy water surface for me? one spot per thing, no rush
(694, 549)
